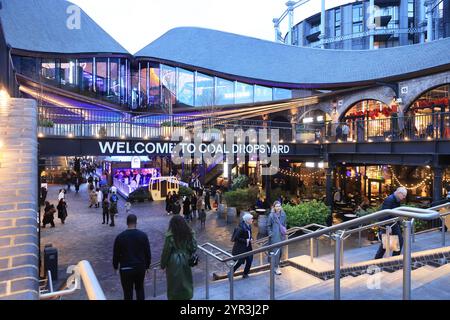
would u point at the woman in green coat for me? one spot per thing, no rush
(179, 246)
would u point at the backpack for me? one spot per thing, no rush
(114, 198)
(235, 234)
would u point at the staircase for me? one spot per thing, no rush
(363, 279)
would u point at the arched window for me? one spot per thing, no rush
(430, 112)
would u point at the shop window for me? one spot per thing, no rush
(155, 94)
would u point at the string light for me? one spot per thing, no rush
(299, 175)
(412, 186)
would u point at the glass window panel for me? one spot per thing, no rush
(281, 94)
(68, 72)
(26, 66)
(123, 81)
(224, 92)
(154, 97)
(263, 94)
(85, 75)
(135, 87)
(101, 82)
(244, 93)
(168, 78)
(143, 97)
(48, 70)
(114, 85)
(185, 87)
(357, 13)
(204, 90)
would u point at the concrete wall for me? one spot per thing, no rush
(19, 251)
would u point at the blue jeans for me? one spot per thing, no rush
(396, 230)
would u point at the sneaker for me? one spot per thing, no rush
(277, 271)
(245, 276)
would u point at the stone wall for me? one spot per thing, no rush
(19, 251)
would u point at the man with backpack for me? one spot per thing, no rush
(242, 238)
(113, 199)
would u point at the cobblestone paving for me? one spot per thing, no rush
(84, 237)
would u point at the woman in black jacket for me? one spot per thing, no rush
(49, 212)
(242, 238)
(62, 210)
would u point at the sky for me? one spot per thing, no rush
(136, 23)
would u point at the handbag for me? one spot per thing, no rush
(193, 260)
(394, 243)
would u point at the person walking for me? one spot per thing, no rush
(113, 200)
(92, 198)
(62, 210)
(345, 131)
(187, 208)
(179, 246)
(242, 238)
(207, 199)
(105, 207)
(43, 195)
(99, 197)
(62, 194)
(168, 203)
(201, 210)
(48, 217)
(276, 229)
(194, 204)
(77, 183)
(392, 202)
(132, 256)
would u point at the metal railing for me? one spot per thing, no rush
(104, 123)
(433, 126)
(82, 272)
(337, 232)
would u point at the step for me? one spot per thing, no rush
(256, 287)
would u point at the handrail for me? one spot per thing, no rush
(405, 212)
(82, 272)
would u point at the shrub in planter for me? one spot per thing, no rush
(171, 124)
(240, 182)
(185, 191)
(241, 199)
(47, 123)
(306, 213)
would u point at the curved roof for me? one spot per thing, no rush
(251, 58)
(41, 25)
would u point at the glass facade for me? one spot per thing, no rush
(143, 85)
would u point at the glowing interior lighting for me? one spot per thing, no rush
(40, 135)
(320, 118)
(310, 164)
(320, 165)
(70, 135)
(308, 120)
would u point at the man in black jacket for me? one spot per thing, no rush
(392, 202)
(133, 256)
(243, 243)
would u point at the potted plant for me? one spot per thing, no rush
(172, 128)
(240, 199)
